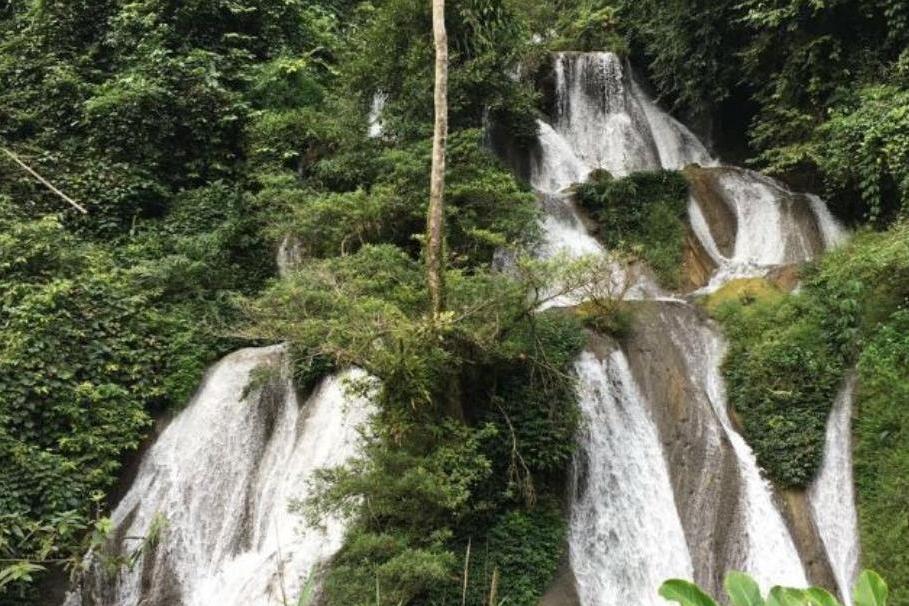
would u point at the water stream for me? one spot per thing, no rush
(221, 479)
(651, 499)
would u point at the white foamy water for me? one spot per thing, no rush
(602, 121)
(832, 495)
(625, 534)
(597, 113)
(677, 147)
(832, 231)
(769, 554)
(556, 167)
(223, 475)
(376, 125)
(774, 226)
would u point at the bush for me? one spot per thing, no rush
(476, 418)
(788, 355)
(643, 214)
(882, 451)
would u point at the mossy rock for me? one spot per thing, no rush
(743, 291)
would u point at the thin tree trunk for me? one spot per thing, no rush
(435, 218)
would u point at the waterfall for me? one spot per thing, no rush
(222, 477)
(771, 225)
(664, 485)
(832, 495)
(625, 534)
(556, 166)
(770, 554)
(374, 121)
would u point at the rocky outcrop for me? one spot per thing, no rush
(563, 591)
(799, 519)
(785, 277)
(702, 464)
(803, 238)
(697, 265)
(708, 195)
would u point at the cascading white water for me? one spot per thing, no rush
(222, 476)
(376, 126)
(557, 166)
(603, 121)
(831, 230)
(677, 146)
(625, 535)
(770, 554)
(774, 226)
(597, 113)
(290, 253)
(224, 472)
(832, 495)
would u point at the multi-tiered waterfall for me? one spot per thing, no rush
(664, 484)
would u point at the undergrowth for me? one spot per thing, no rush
(642, 214)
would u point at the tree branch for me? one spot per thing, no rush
(44, 181)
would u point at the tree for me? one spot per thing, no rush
(434, 222)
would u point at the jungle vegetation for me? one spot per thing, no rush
(199, 135)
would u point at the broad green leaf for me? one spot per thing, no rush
(870, 590)
(20, 571)
(743, 590)
(820, 597)
(685, 593)
(785, 596)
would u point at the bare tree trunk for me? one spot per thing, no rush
(435, 219)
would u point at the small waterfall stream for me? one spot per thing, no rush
(832, 495)
(772, 225)
(625, 534)
(664, 484)
(221, 478)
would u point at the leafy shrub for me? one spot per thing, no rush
(882, 450)
(486, 208)
(774, 347)
(788, 354)
(477, 417)
(870, 590)
(644, 214)
(864, 147)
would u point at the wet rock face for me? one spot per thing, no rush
(721, 220)
(702, 465)
(785, 277)
(797, 513)
(697, 265)
(804, 239)
(563, 591)
(751, 218)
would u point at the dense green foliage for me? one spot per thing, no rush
(788, 358)
(141, 113)
(475, 423)
(643, 214)
(201, 135)
(789, 354)
(818, 86)
(476, 409)
(870, 590)
(782, 373)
